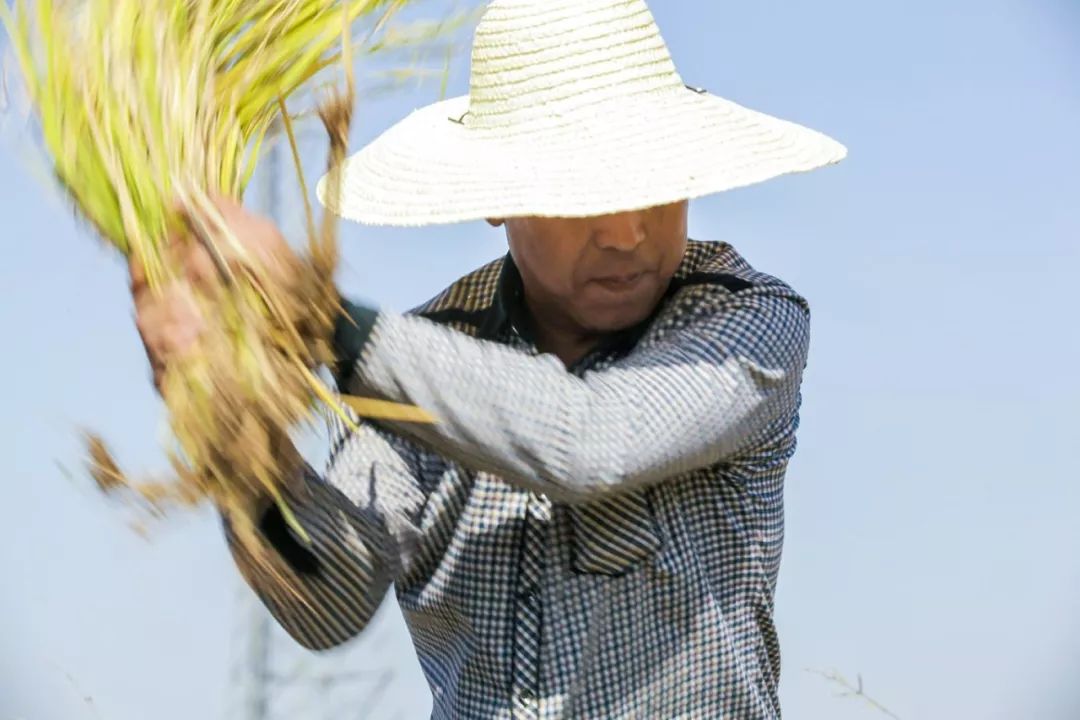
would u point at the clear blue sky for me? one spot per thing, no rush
(932, 506)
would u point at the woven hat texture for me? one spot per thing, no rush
(575, 109)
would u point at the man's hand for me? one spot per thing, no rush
(170, 322)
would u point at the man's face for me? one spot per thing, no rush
(598, 274)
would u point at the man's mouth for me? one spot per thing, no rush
(620, 282)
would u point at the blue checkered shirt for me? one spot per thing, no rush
(599, 541)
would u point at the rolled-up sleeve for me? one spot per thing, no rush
(694, 395)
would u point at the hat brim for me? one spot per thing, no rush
(436, 167)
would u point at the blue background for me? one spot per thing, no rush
(932, 507)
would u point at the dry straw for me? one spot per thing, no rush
(147, 110)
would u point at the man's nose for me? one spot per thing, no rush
(621, 231)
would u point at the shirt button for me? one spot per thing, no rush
(528, 695)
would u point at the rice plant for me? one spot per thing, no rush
(148, 110)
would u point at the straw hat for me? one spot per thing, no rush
(574, 109)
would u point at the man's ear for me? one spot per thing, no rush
(495, 223)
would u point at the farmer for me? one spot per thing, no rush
(592, 527)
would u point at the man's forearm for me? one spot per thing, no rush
(363, 521)
(325, 591)
(695, 399)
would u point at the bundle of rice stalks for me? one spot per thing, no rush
(150, 108)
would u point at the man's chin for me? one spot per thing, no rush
(613, 320)
(605, 313)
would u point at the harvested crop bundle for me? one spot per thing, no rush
(149, 109)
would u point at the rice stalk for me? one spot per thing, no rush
(148, 109)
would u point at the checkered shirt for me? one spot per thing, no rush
(599, 541)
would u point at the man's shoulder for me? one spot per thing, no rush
(718, 267)
(472, 293)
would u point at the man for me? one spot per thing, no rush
(592, 528)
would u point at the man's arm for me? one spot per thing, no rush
(363, 522)
(362, 518)
(699, 395)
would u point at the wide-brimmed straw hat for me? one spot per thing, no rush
(575, 109)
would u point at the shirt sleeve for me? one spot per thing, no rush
(362, 520)
(698, 394)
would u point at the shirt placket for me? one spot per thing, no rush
(528, 626)
(529, 612)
